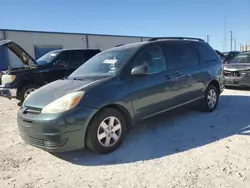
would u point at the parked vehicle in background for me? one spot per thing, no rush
(20, 82)
(107, 95)
(237, 72)
(230, 55)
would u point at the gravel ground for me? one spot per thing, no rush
(184, 148)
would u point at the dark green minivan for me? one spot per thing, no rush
(96, 105)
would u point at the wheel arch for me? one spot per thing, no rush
(123, 110)
(215, 83)
(29, 80)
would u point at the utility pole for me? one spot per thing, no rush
(225, 35)
(208, 37)
(234, 44)
(231, 40)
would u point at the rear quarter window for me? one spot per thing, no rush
(182, 54)
(206, 52)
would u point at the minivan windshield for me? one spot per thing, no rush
(242, 58)
(47, 58)
(106, 63)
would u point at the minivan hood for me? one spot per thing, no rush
(237, 66)
(52, 91)
(24, 56)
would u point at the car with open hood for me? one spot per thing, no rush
(95, 105)
(20, 82)
(229, 56)
(237, 72)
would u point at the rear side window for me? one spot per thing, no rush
(182, 54)
(77, 58)
(206, 52)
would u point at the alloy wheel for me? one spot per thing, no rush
(212, 98)
(29, 91)
(109, 131)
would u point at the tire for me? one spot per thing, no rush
(99, 126)
(1, 73)
(25, 89)
(211, 94)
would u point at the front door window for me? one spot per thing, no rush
(153, 59)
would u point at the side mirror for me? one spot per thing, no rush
(139, 71)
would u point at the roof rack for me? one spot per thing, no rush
(178, 38)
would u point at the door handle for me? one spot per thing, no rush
(178, 73)
(168, 76)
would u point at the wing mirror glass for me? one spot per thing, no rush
(139, 71)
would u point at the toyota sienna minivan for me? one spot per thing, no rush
(95, 105)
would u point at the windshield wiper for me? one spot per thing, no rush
(73, 78)
(78, 79)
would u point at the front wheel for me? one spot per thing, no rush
(106, 131)
(211, 98)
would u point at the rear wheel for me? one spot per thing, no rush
(26, 90)
(211, 98)
(106, 131)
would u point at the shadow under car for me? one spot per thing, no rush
(173, 132)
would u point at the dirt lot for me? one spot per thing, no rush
(181, 149)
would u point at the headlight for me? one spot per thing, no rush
(64, 103)
(8, 78)
(243, 72)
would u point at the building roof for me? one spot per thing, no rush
(71, 33)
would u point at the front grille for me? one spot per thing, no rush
(55, 144)
(47, 143)
(36, 142)
(31, 110)
(231, 73)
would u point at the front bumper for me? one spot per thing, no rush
(55, 132)
(243, 81)
(8, 92)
